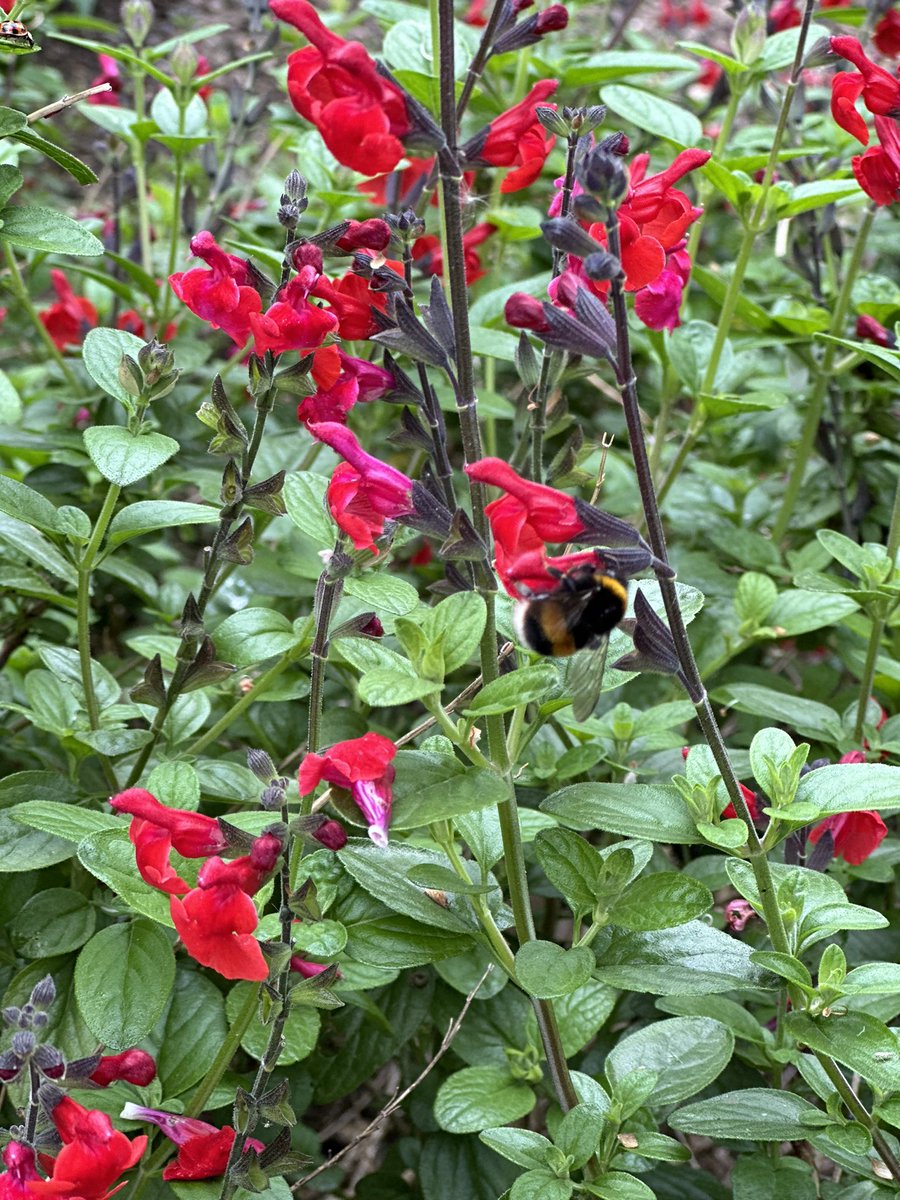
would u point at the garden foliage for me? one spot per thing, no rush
(332, 404)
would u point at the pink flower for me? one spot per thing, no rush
(222, 296)
(363, 766)
(737, 914)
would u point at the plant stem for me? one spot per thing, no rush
(228, 515)
(755, 225)
(878, 624)
(217, 1069)
(140, 173)
(690, 677)
(328, 593)
(20, 291)
(817, 399)
(85, 566)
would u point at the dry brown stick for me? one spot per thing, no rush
(50, 110)
(395, 1102)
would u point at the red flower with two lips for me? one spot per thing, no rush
(156, 830)
(19, 1161)
(363, 492)
(517, 139)
(93, 1156)
(335, 85)
(363, 767)
(203, 1150)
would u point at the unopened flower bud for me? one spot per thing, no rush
(551, 120)
(749, 34)
(588, 209)
(272, 797)
(603, 175)
(332, 835)
(294, 187)
(551, 19)
(525, 312)
(261, 765)
(184, 62)
(43, 993)
(23, 1043)
(615, 143)
(373, 234)
(156, 361)
(602, 266)
(307, 254)
(137, 17)
(11, 1015)
(49, 1061)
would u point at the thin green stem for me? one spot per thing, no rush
(139, 165)
(20, 291)
(207, 1086)
(704, 188)
(859, 1112)
(328, 593)
(85, 567)
(502, 953)
(260, 687)
(755, 225)
(878, 624)
(816, 402)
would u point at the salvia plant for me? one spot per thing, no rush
(449, 601)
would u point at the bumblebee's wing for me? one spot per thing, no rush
(585, 677)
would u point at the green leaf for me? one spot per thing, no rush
(300, 1033)
(324, 939)
(582, 1013)
(622, 64)
(818, 194)
(617, 1185)
(386, 688)
(435, 787)
(192, 1032)
(850, 787)
(754, 597)
(456, 626)
(397, 942)
(546, 970)
(655, 812)
(807, 717)
(687, 1054)
(517, 687)
(541, 1185)
(799, 611)
(878, 978)
(661, 901)
(520, 1146)
(690, 347)
(55, 921)
(752, 1114)
(24, 849)
(856, 1039)
(67, 821)
(253, 634)
(479, 1098)
(79, 170)
(383, 593)
(123, 458)
(880, 356)
(383, 872)
(759, 1177)
(25, 504)
(785, 965)
(781, 48)
(176, 785)
(137, 967)
(10, 401)
(146, 515)
(730, 65)
(691, 959)
(32, 227)
(11, 121)
(571, 864)
(654, 115)
(578, 1134)
(304, 498)
(458, 1168)
(110, 856)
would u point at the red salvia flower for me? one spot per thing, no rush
(749, 797)
(69, 319)
(845, 91)
(873, 331)
(291, 322)
(362, 766)
(363, 491)
(783, 14)
(93, 1156)
(856, 834)
(373, 234)
(352, 302)
(878, 170)
(334, 84)
(517, 139)
(887, 34)
(21, 1171)
(522, 311)
(550, 513)
(156, 830)
(222, 296)
(133, 1066)
(881, 89)
(359, 381)
(217, 918)
(203, 1150)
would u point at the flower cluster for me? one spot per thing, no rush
(203, 1150)
(215, 919)
(516, 139)
(653, 220)
(877, 170)
(362, 766)
(522, 523)
(93, 1156)
(70, 318)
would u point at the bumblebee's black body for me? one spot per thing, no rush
(578, 615)
(582, 610)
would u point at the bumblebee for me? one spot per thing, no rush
(577, 615)
(15, 31)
